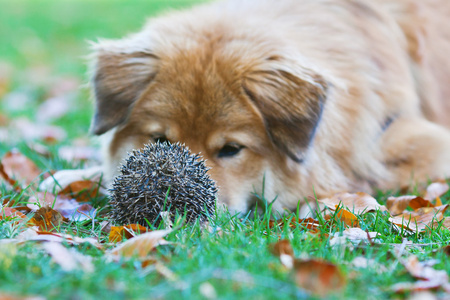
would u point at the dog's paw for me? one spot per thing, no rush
(62, 179)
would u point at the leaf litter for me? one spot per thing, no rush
(49, 212)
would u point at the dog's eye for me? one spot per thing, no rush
(229, 150)
(160, 139)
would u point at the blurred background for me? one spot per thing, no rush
(44, 44)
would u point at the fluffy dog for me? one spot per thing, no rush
(296, 97)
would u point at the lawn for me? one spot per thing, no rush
(347, 252)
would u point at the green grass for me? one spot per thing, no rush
(235, 258)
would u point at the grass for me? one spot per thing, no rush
(234, 258)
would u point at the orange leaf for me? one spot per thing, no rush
(46, 218)
(128, 231)
(82, 191)
(20, 167)
(347, 217)
(319, 277)
(438, 201)
(140, 245)
(419, 202)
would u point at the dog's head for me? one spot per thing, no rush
(250, 113)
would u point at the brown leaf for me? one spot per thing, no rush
(396, 205)
(82, 191)
(420, 219)
(128, 231)
(318, 276)
(419, 202)
(283, 249)
(436, 189)
(47, 219)
(358, 203)
(140, 245)
(20, 167)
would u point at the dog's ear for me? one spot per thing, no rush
(119, 78)
(290, 100)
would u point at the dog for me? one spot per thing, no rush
(288, 99)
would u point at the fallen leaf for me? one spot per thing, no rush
(419, 202)
(41, 199)
(140, 245)
(429, 278)
(353, 235)
(347, 217)
(67, 207)
(396, 205)
(445, 223)
(8, 212)
(33, 234)
(18, 166)
(68, 259)
(283, 249)
(128, 231)
(47, 219)
(319, 277)
(421, 218)
(82, 190)
(436, 189)
(358, 203)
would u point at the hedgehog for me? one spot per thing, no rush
(162, 177)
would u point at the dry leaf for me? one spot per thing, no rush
(352, 235)
(128, 231)
(69, 260)
(47, 219)
(82, 190)
(436, 189)
(8, 212)
(358, 203)
(419, 202)
(396, 205)
(428, 277)
(283, 249)
(420, 219)
(347, 217)
(20, 167)
(141, 245)
(41, 199)
(34, 235)
(319, 277)
(67, 207)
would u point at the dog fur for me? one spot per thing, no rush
(288, 98)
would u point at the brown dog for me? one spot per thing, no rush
(311, 97)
